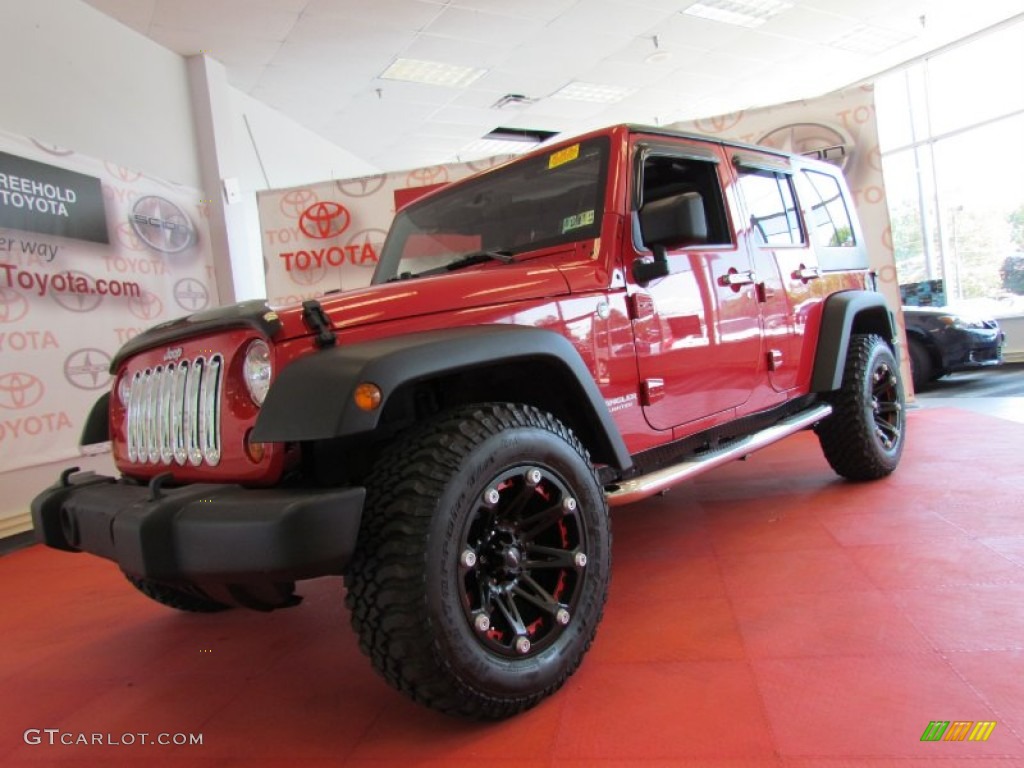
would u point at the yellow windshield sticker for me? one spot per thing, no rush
(579, 220)
(563, 156)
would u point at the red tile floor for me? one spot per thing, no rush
(767, 615)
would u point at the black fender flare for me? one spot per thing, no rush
(312, 398)
(97, 424)
(846, 313)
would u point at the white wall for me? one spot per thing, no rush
(273, 152)
(291, 155)
(75, 78)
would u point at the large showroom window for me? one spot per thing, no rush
(951, 130)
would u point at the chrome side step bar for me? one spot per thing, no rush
(639, 488)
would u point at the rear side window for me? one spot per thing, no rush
(829, 216)
(772, 207)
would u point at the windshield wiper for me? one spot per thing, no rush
(476, 257)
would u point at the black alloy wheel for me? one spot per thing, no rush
(863, 439)
(483, 560)
(523, 554)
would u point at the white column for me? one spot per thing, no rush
(237, 260)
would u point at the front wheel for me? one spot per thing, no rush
(863, 438)
(483, 561)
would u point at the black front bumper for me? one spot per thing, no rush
(202, 533)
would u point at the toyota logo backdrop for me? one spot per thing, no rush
(328, 236)
(325, 220)
(70, 302)
(20, 390)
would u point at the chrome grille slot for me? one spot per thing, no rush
(174, 413)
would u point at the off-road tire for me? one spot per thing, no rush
(920, 364)
(863, 438)
(176, 598)
(465, 515)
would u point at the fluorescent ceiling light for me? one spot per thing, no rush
(594, 92)
(742, 13)
(869, 40)
(431, 73)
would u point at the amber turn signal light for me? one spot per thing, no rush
(368, 396)
(255, 451)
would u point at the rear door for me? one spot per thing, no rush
(784, 260)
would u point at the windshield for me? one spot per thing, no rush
(534, 203)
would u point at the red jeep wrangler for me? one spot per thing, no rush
(581, 328)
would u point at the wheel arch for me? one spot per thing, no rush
(312, 398)
(845, 314)
(927, 344)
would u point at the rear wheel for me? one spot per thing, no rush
(483, 561)
(863, 438)
(173, 597)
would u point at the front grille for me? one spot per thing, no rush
(174, 413)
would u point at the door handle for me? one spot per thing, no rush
(736, 279)
(806, 273)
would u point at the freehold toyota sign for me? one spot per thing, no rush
(36, 197)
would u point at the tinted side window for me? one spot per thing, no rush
(829, 216)
(772, 207)
(667, 175)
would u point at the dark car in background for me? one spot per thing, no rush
(941, 341)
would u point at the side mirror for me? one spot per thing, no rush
(672, 221)
(644, 271)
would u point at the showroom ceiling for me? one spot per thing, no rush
(569, 65)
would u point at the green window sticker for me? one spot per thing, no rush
(579, 220)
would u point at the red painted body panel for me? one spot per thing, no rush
(238, 416)
(673, 357)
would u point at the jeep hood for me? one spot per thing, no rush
(491, 285)
(475, 287)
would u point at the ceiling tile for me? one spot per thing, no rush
(861, 9)
(209, 19)
(462, 131)
(808, 24)
(348, 38)
(767, 47)
(137, 14)
(538, 10)
(397, 14)
(455, 113)
(692, 32)
(244, 78)
(482, 27)
(607, 17)
(414, 93)
(629, 74)
(469, 53)
(319, 61)
(565, 108)
(533, 83)
(228, 48)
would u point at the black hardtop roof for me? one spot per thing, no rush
(634, 128)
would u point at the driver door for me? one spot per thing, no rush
(697, 328)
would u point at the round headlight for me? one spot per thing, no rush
(257, 369)
(124, 390)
